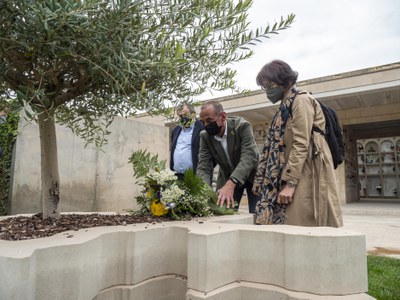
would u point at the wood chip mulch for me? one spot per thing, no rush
(33, 227)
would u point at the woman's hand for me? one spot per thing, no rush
(286, 195)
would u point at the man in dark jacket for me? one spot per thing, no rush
(228, 141)
(185, 140)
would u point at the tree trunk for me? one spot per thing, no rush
(49, 163)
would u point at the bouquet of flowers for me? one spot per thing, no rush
(164, 194)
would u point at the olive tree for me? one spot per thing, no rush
(79, 63)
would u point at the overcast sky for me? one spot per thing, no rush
(327, 37)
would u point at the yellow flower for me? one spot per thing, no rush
(157, 208)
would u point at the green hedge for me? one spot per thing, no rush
(8, 135)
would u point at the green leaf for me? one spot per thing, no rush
(20, 95)
(143, 161)
(220, 210)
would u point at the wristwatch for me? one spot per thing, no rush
(291, 183)
(234, 180)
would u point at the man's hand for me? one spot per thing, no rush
(226, 194)
(286, 195)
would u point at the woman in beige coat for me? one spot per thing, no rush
(295, 173)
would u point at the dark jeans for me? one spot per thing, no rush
(252, 199)
(180, 176)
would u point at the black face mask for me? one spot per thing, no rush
(183, 120)
(213, 128)
(186, 122)
(275, 94)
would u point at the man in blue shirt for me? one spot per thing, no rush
(185, 140)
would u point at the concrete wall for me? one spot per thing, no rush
(91, 179)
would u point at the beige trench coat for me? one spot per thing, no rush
(316, 198)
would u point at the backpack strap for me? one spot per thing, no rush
(314, 128)
(295, 92)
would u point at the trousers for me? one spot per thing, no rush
(252, 198)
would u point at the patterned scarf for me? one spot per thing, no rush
(270, 168)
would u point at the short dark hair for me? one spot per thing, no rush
(277, 71)
(215, 104)
(188, 105)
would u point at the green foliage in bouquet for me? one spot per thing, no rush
(143, 162)
(164, 194)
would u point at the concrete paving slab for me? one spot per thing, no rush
(379, 221)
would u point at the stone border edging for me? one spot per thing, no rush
(211, 254)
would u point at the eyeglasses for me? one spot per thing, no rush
(269, 86)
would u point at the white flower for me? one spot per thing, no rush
(172, 193)
(170, 205)
(163, 176)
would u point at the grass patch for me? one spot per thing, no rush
(383, 277)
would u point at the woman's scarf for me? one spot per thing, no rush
(269, 170)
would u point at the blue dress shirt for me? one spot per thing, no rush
(183, 151)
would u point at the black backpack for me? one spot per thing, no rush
(333, 131)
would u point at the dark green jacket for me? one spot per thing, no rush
(242, 150)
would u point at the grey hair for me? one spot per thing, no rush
(215, 104)
(188, 105)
